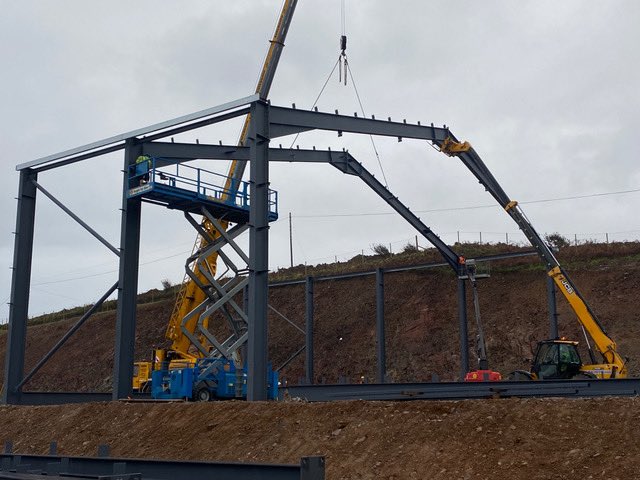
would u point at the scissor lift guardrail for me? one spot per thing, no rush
(187, 188)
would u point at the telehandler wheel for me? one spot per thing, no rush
(202, 395)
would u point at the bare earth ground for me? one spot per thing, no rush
(493, 439)
(484, 439)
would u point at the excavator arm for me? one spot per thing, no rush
(615, 364)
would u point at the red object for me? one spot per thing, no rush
(483, 376)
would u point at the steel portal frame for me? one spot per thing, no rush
(267, 123)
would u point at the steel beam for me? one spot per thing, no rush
(309, 468)
(287, 121)
(117, 139)
(169, 153)
(20, 282)
(420, 266)
(309, 329)
(68, 335)
(347, 164)
(380, 334)
(128, 281)
(81, 222)
(63, 398)
(463, 328)
(258, 251)
(465, 390)
(553, 310)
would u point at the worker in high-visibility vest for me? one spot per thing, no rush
(143, 164)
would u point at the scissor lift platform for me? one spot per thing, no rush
(187, 188)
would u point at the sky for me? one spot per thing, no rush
(545, 91)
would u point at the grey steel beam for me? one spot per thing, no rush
(291, 358)
(107, 142)
(309, 310)
(20, 282)
(465, 390)
(68, 335)
(62, 398)
(258, 251)
(287, 121)
(380, 333)
(463, 328)
(82, 223)
(168, 153)
(421, 266)
(281, 315)
(149, 138)
(309, 468)
(553, 310)
(195, 125)
(128, 281)
(347, 164)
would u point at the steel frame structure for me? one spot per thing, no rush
(267, 123)
(380, 273)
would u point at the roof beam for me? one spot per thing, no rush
(119, 139)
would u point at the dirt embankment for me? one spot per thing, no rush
(483, 439)
(421, 323)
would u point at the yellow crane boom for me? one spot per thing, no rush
(190, 294)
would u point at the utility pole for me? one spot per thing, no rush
(290, 241)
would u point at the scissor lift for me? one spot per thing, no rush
(203, 192)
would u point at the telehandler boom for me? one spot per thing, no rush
(613, 365)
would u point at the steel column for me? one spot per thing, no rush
(464, 332)
(553, 311)
(380, 337)
(128, 281)
(309, 329)
(20, 282)
(258, 251)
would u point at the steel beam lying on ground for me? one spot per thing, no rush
(46, 466)
(462, 390)
(62, 398)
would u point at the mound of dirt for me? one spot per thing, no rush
(480, 439)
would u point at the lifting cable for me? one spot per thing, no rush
(343, 72)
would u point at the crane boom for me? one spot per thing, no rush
(605, 345)
(190, 294)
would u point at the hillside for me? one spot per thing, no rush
(421, 320)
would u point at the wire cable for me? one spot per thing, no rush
(373, 143)
(475, 207)
(319, 95)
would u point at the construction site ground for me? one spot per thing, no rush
(474, 439)
(502, 438)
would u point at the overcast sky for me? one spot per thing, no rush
(545, 91)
